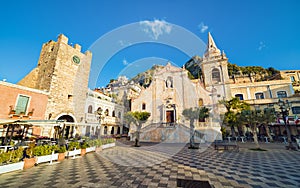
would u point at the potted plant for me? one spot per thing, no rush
(11, 161)
(61, 153)
(83, 147)
(74, 149)
(45, 153)
(108, 143)
(29, 160)
(98, 144)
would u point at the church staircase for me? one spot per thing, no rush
(169, 133)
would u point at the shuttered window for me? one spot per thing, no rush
(22, 104)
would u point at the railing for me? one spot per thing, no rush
(91, 118)
(110, 120)
(168, 124)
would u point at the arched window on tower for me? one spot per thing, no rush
(144, 106)
(215, 75)
(113, 114)
(90, 109)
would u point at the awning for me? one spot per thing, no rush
(7, 121)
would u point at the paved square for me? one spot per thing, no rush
(162, 164)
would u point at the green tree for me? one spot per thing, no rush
(253, 119)
(194, 114)
(268, 117)
(137, 118)
(234, 107)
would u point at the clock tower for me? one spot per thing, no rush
(63, 71)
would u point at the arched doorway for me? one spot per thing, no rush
(67, 130)
(112, 130)
(119, 130)
(105, 130)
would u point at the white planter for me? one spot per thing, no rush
(46, 158)
(108, 145)
(90, 149)
(74, 153)
(11, 167)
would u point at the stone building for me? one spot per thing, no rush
(62, 71)
(103, 110)
(294, 77)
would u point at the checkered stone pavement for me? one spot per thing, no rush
(163, 165)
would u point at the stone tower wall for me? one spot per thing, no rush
(65, 80)
(69, 82)
(222, 87)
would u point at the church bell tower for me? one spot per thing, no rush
(214, 69)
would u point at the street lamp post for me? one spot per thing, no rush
(284, 107)
(99, 113)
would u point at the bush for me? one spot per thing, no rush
(108, 140)
(73, 145)
(97, 143)
(61, 149)
(84, 145)
(13, 156)
(44, 150)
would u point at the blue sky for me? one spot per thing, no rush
(262, 32)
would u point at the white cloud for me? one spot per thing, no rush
(121, 42)
(261, 45)
(124, 43)
(125, 62)
(202, 27)
(156, 28)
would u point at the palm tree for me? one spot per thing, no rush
(234, 108)
(137, 118)
(192, 114)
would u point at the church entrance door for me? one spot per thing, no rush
(170, 116)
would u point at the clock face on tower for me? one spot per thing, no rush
(76, 59)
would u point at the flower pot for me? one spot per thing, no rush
(106, 146)
(11, 167)
(83, 152)
(29, 162)
(90, 149)
(73, 153)
(46, 158)
(61, 156)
